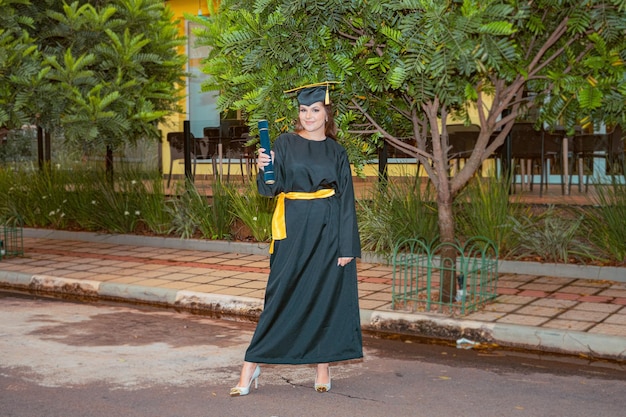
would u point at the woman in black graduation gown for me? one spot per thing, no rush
(311, 311)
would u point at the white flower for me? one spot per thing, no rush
(126, 213)
(137, 213)
(254, 218)
(58, 166)
(62, 214)
(93, 202)
(51, 213)
(133, 182)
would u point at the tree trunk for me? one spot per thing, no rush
(109, 164)
(445, 195)
(44, 157)
(448, 254)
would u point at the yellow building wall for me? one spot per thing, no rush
(175, 122)
(180, 8)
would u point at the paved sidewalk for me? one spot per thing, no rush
(535, 310)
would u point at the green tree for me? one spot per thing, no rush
(112, 69)
(406, 66)
(20, 65)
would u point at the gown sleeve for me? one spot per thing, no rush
(349, 242)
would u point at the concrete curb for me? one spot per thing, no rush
(508, 335)
(563, 341)
(608, 273)
(422, 325)
(517, 267)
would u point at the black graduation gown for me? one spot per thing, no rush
(311, 311)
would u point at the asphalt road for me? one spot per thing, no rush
(69, 359)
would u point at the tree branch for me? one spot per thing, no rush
(403, 146)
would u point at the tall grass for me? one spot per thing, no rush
(606, 223)
(192, 213)
(484, 209)
(553, 237)
(154, 213)
(397, 210)
(38, 199)
(222, 212)
(84, 199)
(118, 205)
(254, 210)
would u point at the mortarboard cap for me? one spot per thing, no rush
(312, 93)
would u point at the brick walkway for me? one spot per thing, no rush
(590, 306)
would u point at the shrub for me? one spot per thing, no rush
(484, 209)
(606, 223)
(191, 212)
(84, 198)
(552, 237)
(36, 199)
(254, 210)
(397, 210)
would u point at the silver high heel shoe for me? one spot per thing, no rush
(240, 391)
(322, 387)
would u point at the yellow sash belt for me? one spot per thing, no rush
(279, 226)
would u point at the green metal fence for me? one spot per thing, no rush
(11, 241)
(445, 278)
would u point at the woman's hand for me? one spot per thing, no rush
(264, 159)
(344, 261)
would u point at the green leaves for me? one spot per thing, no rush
(101, 72)
(397, 77)
(398, 58)
(590, 97)
(378, 63)
(20, 64)
(497, 28)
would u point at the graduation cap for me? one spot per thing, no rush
(312, 93)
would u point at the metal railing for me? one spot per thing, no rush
(11, 241)
(446, 277)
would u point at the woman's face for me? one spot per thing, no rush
(313, 117)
